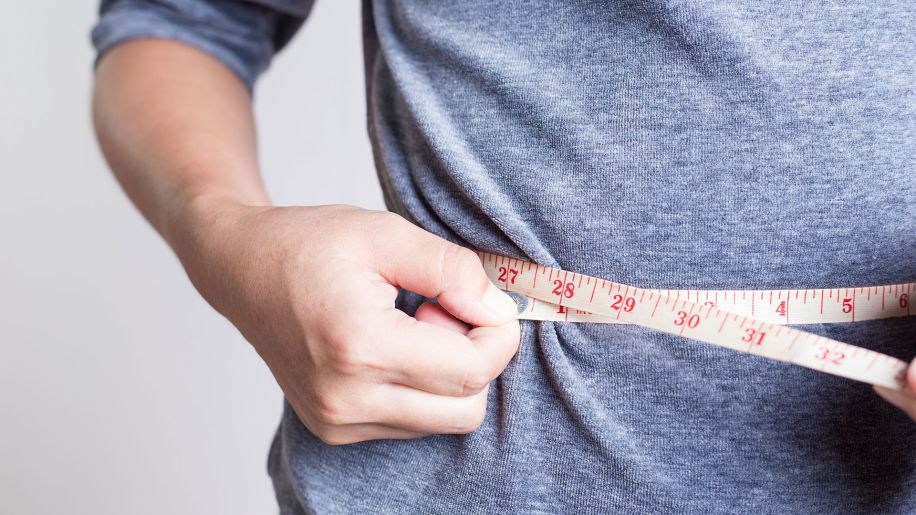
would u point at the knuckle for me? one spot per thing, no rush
(472, 419)
(515, 332)
(332, 436)
(386, 221)
(348, 357)
(475, 380)
(390, 217)
(454, 258)
(514, 338)
(330, 412)
(506, 338)
(349, 352)
(494, 370)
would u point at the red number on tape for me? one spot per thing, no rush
(567, 292)
(692, 321)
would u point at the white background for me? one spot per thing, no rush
(121, 391)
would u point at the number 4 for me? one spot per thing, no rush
(781, 309)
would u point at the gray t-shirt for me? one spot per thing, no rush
(663, 144)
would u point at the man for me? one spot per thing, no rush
(708, 145)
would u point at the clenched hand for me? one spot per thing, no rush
(313, 290)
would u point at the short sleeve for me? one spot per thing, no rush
(243, 35)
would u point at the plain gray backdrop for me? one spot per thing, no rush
(121, 391)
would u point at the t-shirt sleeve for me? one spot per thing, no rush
(243, 35)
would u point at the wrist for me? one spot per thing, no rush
(197, 219)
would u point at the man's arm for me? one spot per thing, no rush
(177, 129)
(312, 288)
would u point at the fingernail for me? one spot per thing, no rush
(499, 303)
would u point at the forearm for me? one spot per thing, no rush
(176, 127)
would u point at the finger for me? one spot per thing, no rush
(346, 432)
(424, 263)
(911, 376)
(354, 433)
(433, 313)
(902, 399)
(421, 412)
(424, 356)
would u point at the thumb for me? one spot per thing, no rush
(911, 376)
(424, 263)
(904, 399)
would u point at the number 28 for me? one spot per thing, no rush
(568, 291)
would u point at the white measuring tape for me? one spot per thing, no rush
(751, 321)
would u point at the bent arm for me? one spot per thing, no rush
(176, 127)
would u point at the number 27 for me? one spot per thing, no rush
(504, 275)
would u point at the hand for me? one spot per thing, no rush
(905, 399)
(313, 290)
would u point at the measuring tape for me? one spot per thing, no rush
(751, 321)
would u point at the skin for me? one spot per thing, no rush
(311, 288)
(904, 399)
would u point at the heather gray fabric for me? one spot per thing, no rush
(681, 144)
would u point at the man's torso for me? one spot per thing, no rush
(659, 144)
